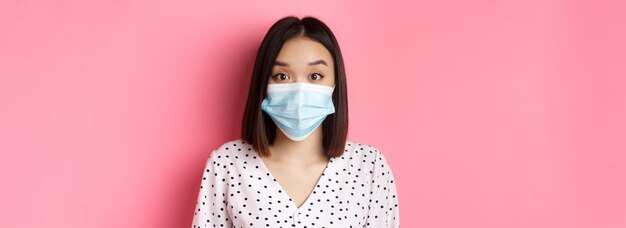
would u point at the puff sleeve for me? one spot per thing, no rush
(383, 204)
(211, 205)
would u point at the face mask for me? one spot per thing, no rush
(298, 108)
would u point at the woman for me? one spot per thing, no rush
(306, 173)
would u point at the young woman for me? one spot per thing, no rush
(293, 165)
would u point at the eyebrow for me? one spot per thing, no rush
(284, 64)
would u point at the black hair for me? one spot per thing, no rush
(258, 128)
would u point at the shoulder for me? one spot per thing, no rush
(358, 144)
(231, 151)
(232, 147)
(370, 159)
(360, 149)
(361, 152)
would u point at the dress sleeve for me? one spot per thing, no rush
(384, 211)
(211, 205)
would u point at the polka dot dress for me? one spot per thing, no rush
(356, 189)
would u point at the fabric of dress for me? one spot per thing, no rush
(356, 189)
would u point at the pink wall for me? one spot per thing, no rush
(491, 113)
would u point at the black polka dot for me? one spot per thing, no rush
(356, 189)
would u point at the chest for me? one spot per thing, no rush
(270, 195)
(263, 202)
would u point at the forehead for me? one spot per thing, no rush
(303, 50)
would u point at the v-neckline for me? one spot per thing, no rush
(318, 184)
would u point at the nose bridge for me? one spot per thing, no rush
(299, 75)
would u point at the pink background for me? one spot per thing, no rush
(491, 113)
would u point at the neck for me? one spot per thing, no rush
(307, 151)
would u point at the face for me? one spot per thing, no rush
(303, 60)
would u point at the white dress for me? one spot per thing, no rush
(356, 189)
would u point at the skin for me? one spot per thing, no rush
(298, 165)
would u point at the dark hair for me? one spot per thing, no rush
(258, 128)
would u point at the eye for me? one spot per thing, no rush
(316, 76)
(281, 77)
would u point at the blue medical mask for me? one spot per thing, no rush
(298, 108)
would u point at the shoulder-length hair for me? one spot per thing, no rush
(258, 128)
